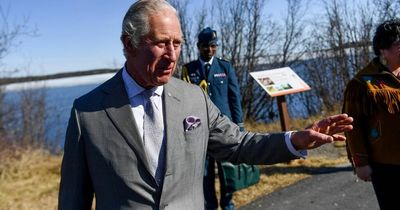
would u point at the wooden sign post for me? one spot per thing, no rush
(283, 113)
(278, 83)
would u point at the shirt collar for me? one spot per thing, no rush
(209, 62)
(133, 88)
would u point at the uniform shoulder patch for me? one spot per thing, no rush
(224, 63)
(191, 65)
(222, 59)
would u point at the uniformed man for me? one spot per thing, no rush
(217, 77)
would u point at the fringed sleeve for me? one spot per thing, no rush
(357, 105)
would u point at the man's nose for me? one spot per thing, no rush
(171, 53)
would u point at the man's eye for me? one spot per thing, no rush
(160, 44)
(177, 44)
(164, 44)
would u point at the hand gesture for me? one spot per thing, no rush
(322, 132)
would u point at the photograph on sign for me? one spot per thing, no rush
(281, 81)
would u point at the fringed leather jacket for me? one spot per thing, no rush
(372, 98)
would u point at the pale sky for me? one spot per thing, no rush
(73, 35)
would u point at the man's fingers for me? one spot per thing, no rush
(320, 137)
(337, 137)
(346, 121)
(334, 124)
(339, 129)
(309, 139)
(325, 131)
(340, 119)
(331, 119)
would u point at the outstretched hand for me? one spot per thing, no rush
(322, 132)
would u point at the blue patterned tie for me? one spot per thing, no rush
(153, 136)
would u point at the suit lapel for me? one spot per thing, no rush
(118, 108)
(173, 124)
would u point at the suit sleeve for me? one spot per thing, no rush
(76, 191)
(234, 98)
(227, 142)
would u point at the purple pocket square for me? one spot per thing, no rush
(191, 122)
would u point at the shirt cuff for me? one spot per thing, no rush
(298, 153)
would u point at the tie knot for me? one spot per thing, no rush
(207, 66)
(147, 93)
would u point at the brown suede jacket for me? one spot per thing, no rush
(372, 98)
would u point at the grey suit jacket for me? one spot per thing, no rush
(104, 155)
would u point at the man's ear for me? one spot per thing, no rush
(128, 45)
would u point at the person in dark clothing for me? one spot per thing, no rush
(218, 78)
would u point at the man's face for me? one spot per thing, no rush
(207, 51)
(154, 61)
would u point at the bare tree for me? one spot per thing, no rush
(244, 42)
(187, 29)
(186, 54)
(203, 17)
(231, 25)
(291, 46)
(341, 46)
(277, 44)
(33, 117)
(359, 29)
(22, 121)
(387, 9)
(258, 39)
(4, 110)
(9, 34)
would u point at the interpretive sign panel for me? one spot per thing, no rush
(281, 81)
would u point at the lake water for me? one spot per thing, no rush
(60, 95)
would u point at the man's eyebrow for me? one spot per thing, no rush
(162, 39)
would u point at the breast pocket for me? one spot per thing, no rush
(195, 139)
(192, 135)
